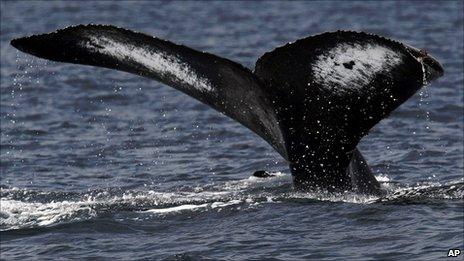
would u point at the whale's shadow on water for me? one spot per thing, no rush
(25, 212)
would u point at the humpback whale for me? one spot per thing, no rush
(312, 100)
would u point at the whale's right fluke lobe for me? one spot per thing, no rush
(330, 90)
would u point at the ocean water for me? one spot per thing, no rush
(103, 164)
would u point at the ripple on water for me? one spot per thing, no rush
(24, 209)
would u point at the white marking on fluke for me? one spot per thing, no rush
(158, 62)
(369, 60)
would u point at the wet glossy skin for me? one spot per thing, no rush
(300, 99)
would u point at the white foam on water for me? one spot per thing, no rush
(18, 214)
(214, 205)
(382, 178)
(246, 193)
(176, 209)
(347, 197)
(429, 190)
(252, 181)
(225, 204)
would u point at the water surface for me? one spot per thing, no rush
(98, 163)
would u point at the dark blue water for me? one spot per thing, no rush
(98, 163)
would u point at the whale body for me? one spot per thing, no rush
(312, 100)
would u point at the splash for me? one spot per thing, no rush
(23, 209)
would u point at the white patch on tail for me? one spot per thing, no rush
(366, 60)
(158, 62)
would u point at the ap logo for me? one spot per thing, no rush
(454, 252)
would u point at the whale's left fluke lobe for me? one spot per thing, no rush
(222, 84)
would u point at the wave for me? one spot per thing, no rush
(25, 209)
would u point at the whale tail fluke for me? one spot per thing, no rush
(312, 100)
